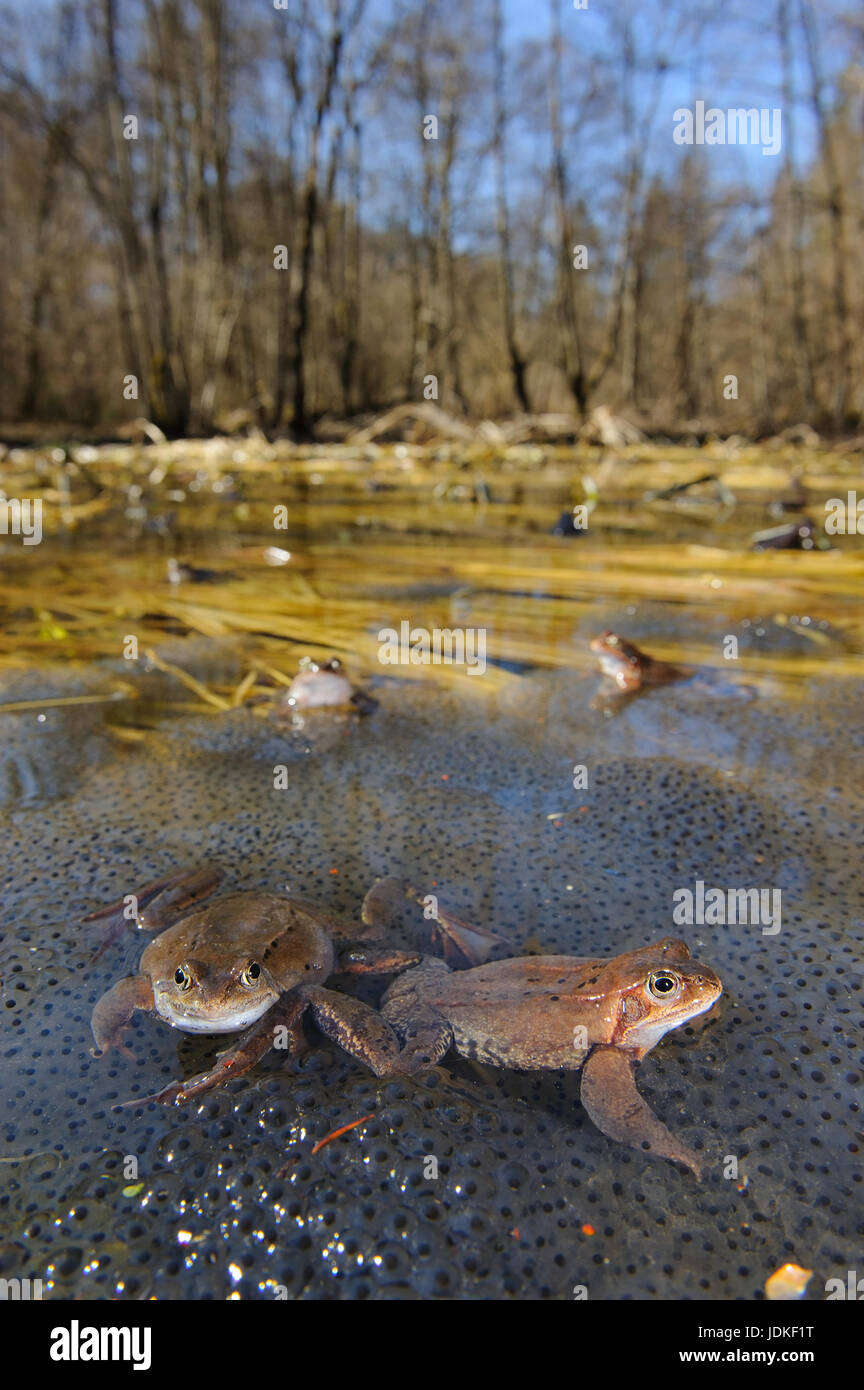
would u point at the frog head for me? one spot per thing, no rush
(319, 684)
(659, 988)
(215, 991)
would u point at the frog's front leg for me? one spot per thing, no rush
(374, 960)
(157, 904)
(114, 1011)
(255, 1043)
(609, 1094)
(426, 1035)
(356, 1027)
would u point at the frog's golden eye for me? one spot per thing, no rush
(663, 984)
(251, 975)
(182, 978)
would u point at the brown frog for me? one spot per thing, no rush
(631, 669)
(634, 671)
(255, 961)
(569, 1012)
(323, 686)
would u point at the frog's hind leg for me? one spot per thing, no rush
(462, 943)
(609, 1094)
(381, 907)
(156, 904)
(378, 913)
(356, 1027)
(160, 902)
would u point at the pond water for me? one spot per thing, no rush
(465, 783)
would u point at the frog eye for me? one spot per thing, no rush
(663, 984)
(182, 978)
(251, 975)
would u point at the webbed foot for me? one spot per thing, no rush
(157, 903)
(425, 1040)
(462, 943)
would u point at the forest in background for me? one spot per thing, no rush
(280, 241)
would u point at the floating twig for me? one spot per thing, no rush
(342, 1130)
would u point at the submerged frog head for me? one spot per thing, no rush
(319, 685)
(659, 988)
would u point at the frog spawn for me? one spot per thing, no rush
(771, 1076)
(45, 751)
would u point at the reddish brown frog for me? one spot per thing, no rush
(567, 1012)
(630, 668)
(255, 961)
(634, 671)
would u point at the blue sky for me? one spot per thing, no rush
(735, 62)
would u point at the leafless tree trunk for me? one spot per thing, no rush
(836, 203)
(32, 345)
(505, 255)
(342, 25)
(568, 314)
(800, 328)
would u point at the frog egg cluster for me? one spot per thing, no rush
(466, 1182)
(44, 750)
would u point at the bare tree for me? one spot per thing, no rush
(505, 253)
(836, 205)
